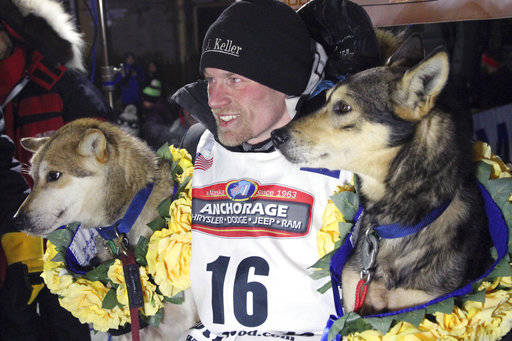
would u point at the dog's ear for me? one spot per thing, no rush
(420, 86)
(409, 53)
(94, 143)
(32, 144)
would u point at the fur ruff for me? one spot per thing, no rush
(60, 22)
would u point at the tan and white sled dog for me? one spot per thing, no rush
(89, 171)
(412, 157)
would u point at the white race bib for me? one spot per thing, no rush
(254, 223)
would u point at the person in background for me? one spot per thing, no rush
(42, 86)
(130, 79)
(180, 125)
(153, 72)
(158, 115)
(495, 87)
(128, 120)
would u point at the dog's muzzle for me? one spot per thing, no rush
(20, 222)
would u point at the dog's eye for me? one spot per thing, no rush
(53, 176)
(341, 108)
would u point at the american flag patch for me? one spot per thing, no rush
(203, 163)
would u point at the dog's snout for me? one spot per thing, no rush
(280, 136)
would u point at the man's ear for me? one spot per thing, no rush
(420, 85)
(32, 144)
(409, 53)
(94, 143)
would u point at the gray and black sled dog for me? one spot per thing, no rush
(411, 158)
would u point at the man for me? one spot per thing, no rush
(254, 215)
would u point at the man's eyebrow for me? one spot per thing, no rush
(224, 75)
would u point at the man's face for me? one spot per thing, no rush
(5, 44)
(245, 111)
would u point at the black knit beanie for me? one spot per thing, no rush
(263, 40)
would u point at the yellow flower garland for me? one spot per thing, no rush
(330, 233)
(168, 259)
(488, 320)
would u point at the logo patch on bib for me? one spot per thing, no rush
(244, 208)
(241, 190)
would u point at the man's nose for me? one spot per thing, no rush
(217, 95)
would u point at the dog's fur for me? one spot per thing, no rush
(89, 171)
(410, 156)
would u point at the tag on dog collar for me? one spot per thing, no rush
(81, 250)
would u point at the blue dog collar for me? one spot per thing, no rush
(124, 225)
(82, 247)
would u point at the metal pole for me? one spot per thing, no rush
(107, 70)
(182, 37)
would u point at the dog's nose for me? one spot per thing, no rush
(279, 136)
(20, 221)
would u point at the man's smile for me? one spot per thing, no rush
(226, 120)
